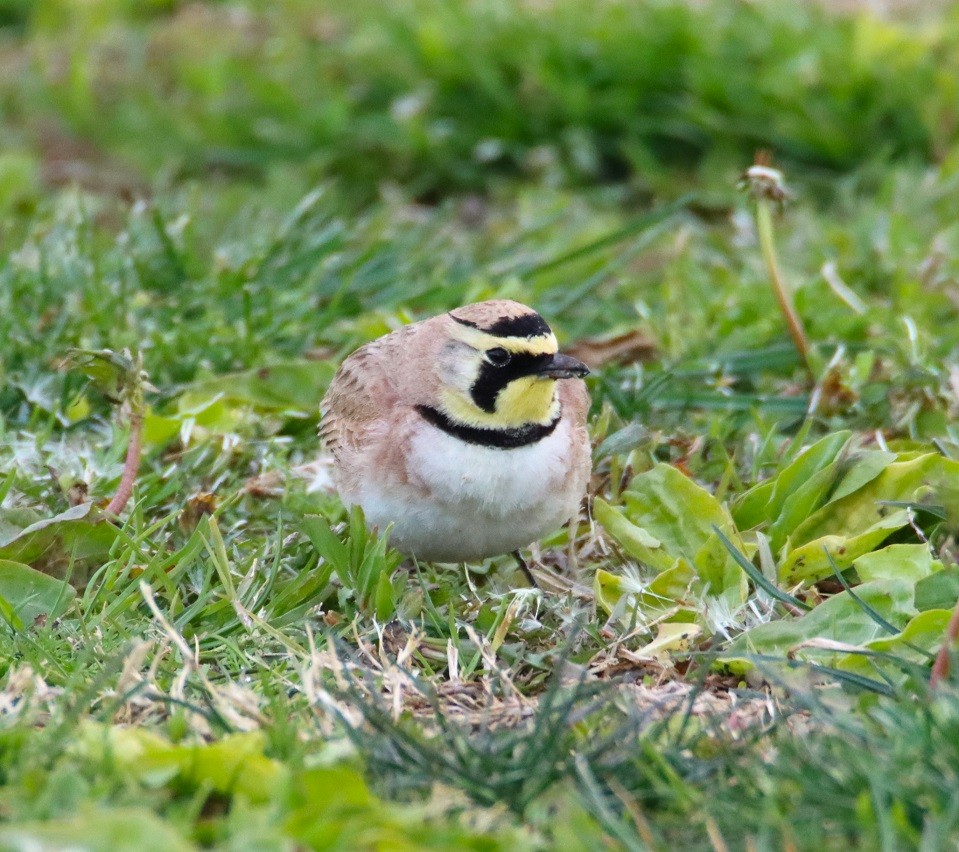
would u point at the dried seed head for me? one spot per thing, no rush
(765, 183)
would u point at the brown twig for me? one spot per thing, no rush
(121, 379)
(131, 465)
(940, 668)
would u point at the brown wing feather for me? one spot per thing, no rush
(356, 397)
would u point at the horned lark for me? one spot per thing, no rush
(466, 432)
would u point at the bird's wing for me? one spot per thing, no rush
(358, 395)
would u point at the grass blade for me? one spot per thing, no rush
(756, 575)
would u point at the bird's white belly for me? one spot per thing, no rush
(483, 501)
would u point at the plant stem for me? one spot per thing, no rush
(940, 668)
(764, 226)
(131, 465)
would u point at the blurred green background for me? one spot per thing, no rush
(446, 97)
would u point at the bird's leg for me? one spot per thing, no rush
(525, 569)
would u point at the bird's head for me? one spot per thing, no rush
(499, 367)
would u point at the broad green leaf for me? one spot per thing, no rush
(669, 524)
(910, 562)
(622, 594)
(939, 590)
(796, 476)
(78, 410)
(636, 541)
(357, 544)
(14, 521)
(759, 578)
(369, 571)
(95, 829)
(838, 619)
(716, 566)
(672, 637)
(674, 595)
(859, 510)
(158, 429)
(31, 594)
(330, 788)
(749, 510)
(923, 633)
(195, 419)
(672, 509)
(20, 179)
(234, 764)
(673, 584)
(331, 807)
(810, 562)
(802, 502)
(915, 644)
(608, 589)
(76, 535)
(862, 469)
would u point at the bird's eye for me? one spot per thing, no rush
(498, 357)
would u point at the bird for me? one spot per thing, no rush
(463, 434)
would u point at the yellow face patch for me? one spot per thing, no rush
(520, 400)
(529, 399)
(523, 401)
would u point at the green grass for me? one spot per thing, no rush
(729, 656)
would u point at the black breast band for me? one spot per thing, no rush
(504, 439)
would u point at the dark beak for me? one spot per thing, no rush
(562, 366)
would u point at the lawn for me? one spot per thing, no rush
(205, 206)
